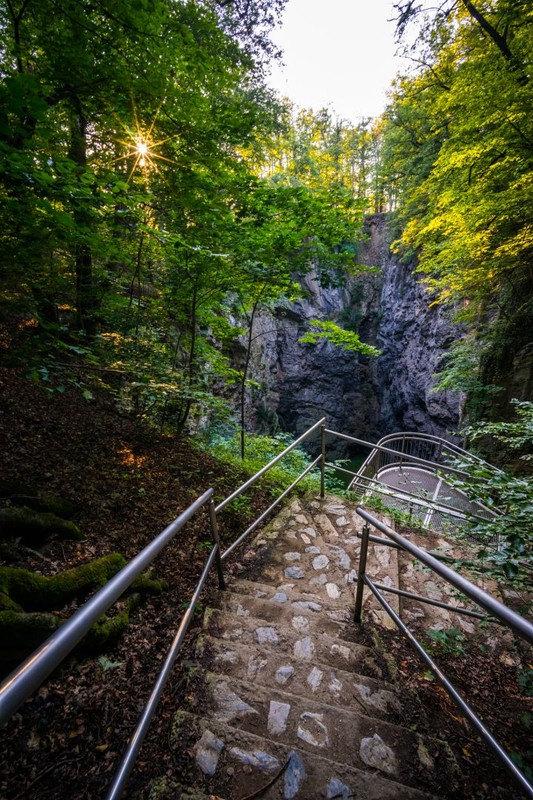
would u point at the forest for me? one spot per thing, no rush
(155, 192)
(157, 197)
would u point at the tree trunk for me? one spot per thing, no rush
(85, 294)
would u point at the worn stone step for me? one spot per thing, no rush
(334, 686)
(352, 738)
(322, 558)
(285, 640)
(304, 617)
(233, 764)
(325, 592)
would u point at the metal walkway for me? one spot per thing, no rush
(408, 470)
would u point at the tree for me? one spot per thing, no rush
(458, 149)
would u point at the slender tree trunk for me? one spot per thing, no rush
(85, 295)
(245, 374)
(499, 40)
(191, 369)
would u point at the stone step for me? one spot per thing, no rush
(334, 686)
(305, 617)
(326, 593)
(232, 764)
(310, 552)
(352, 738)
(325, 649)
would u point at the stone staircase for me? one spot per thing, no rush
(283, 702)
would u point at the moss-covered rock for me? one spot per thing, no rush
(36, 527)
(21, 633)
(34, 592)
(26, 597)
(37, 499)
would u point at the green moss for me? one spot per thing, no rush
(35, 526)
(20, 633)
(36, 499)
(26, 596)
(39, 593)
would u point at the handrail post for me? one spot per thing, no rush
(216, 539)
(323, 460)
(361, 574)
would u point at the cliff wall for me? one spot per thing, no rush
(367, 398)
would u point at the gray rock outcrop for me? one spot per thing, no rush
(361, 396)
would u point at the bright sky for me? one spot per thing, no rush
(338, 53)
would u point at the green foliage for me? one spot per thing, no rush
(130, 261)
(516, 436)
(450, 642)
(260, 450)
(525, 681)
(332, 333)
(509, 495)
(457, 158)
(105, 663)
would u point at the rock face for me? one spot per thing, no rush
(413, 337)
(364, 397)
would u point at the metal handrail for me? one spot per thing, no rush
(29, 675)
(132, 750)
(37, 667)
(380, 448)
(519, 625)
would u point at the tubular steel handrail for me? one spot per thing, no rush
(38, 666)
(416, 453)
(501, 613)
(26, 678)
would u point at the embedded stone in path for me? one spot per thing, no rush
(256, 758)
(335, 686)
(320, 562)
(229, 704)
(375, 753)
(292, 556)
(284, 673)
(267, 636)
(277, 717)
(307, 605)
(300, 624)
(304, 649)
(294, 775)
(341, 556)
(312, 730)
(294, 572)
(314, 678)
(337, 790)
(207, 750)
(255, 664)
(333, 591)
(279, 597)
(320, 581)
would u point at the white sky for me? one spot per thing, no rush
(338, 53)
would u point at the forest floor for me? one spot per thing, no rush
(129, 483)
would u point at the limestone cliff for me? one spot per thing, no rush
(360, 396)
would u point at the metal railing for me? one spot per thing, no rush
(417, 462)
(39, 665)
(496, 612)
(26, 678)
